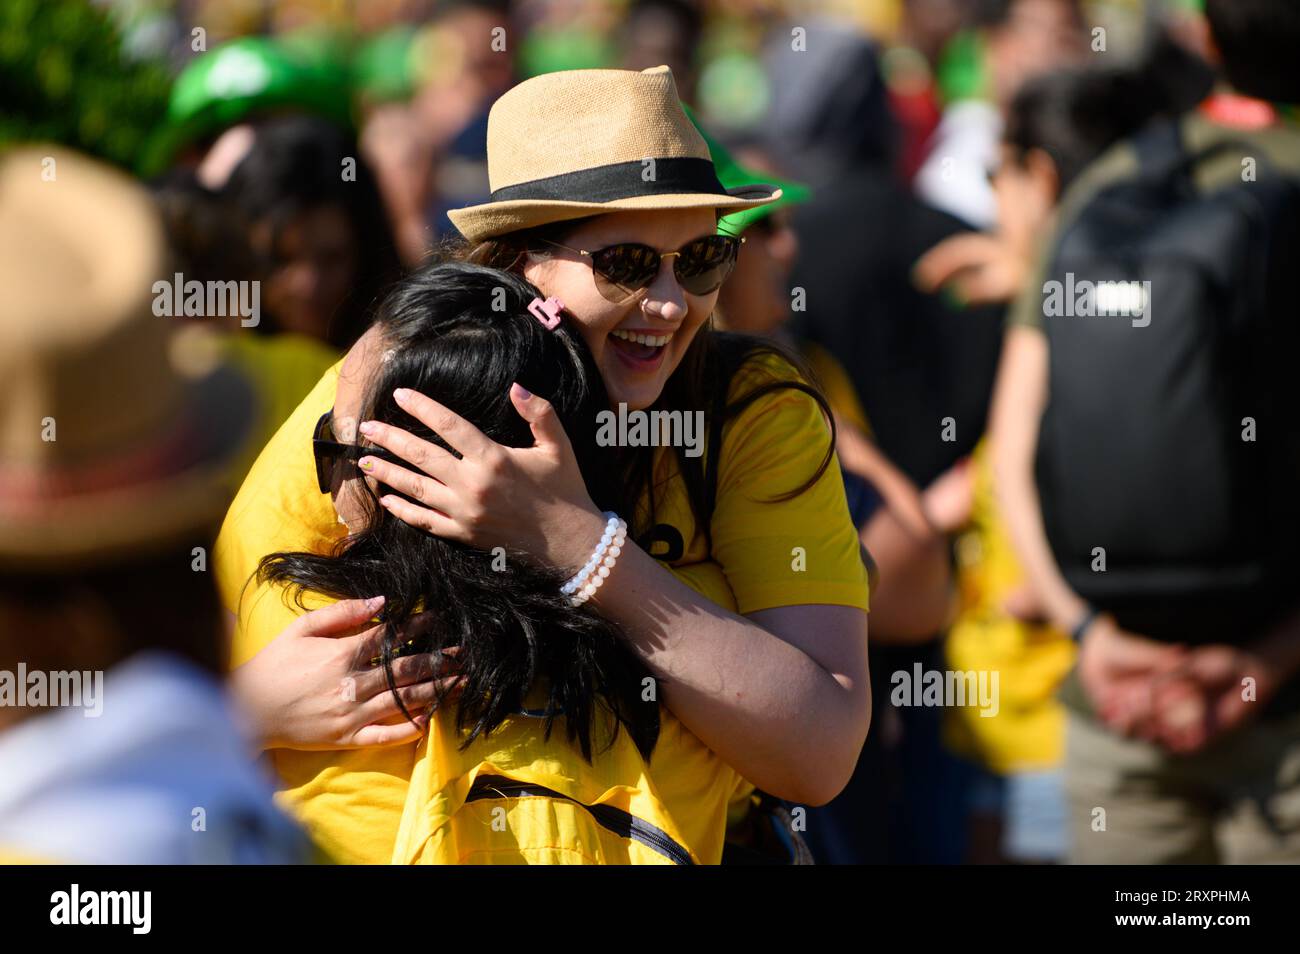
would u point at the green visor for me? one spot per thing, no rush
(732, 174)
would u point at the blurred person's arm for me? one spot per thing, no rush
(913, 599)
(402, 159)
(1019, 398)
(976, 268)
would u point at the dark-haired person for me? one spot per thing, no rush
(317, 224)
(1183, 722)
(545, 694)
(1056, 126)
(209, 243)
(741, 586)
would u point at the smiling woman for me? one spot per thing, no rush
(741, 590)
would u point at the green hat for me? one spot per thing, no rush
(218, 89)
(732, 174)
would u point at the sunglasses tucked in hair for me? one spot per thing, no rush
(329, 451)
(622, 270)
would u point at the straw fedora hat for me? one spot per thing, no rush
(116, 436)
(579, 142)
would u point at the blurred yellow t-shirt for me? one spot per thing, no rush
(352, 801)
(283, 369)
(1028, 731)
(836, 385)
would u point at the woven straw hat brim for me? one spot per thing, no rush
(479, 222)
(180, 508)
(153, 431)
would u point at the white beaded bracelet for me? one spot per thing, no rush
(584, 584)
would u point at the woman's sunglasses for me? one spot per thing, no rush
(329, 450)
(623, 270)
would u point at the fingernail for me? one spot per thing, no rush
(386, 501)
(374, 603)
(401, 395)
(367, 463)
(523, 392)
(367, 428)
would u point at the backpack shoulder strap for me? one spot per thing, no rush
(1160, 148)
(713, 451)
(1164, 154)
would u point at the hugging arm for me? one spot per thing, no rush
(782, 695)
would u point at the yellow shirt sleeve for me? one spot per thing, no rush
(836, 385)
(783, 552)
(278, 507)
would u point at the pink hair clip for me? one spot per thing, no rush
(547, 312)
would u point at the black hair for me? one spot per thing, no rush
(994, 13)
(296, 164)
(512, 626)
(1075, 115)
(1258, 40)
(685, 12)
(208, 236)
(501, 7)
(987, 13)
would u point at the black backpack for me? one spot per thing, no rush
(1143, 451)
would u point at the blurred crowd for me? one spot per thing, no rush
(941, 162)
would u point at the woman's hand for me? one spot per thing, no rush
(314, 687)
(531, 499)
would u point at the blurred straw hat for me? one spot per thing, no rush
(575, 143)
(146, 430)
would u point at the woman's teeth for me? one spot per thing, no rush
(654, 341)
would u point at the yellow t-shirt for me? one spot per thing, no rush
(836, 385)
(352, 801)
(283, 369)
(1028, 731)
(284, 366)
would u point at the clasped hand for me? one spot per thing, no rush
(1175, 696)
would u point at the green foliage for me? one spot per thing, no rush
(64, 78)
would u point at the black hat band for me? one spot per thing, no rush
(620, 180)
